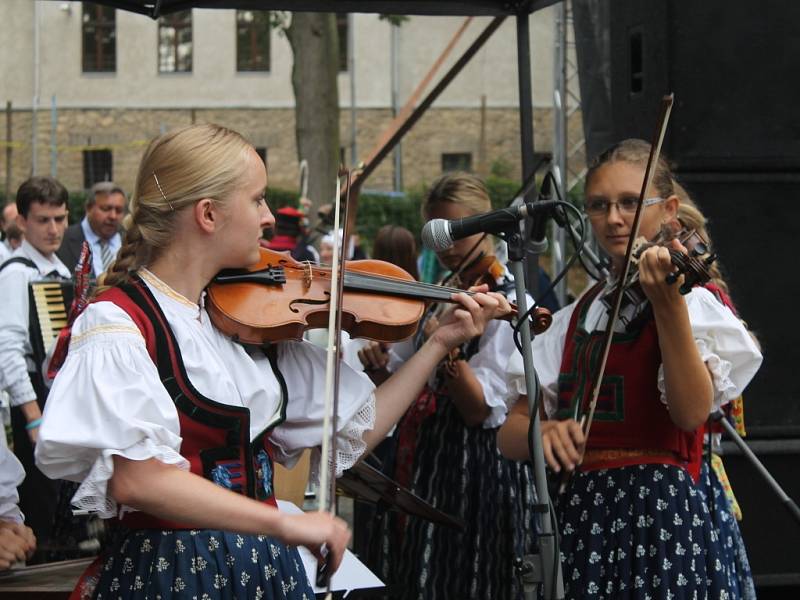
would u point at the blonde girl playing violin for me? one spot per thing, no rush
(172, 427)
(446, 447)
(634, 522)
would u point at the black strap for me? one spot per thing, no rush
(19, 259)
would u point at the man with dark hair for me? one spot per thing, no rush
(105, 207)
(42, 207)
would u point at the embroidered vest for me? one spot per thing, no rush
(629, 412)
(216, 436)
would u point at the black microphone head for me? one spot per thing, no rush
(436, 235)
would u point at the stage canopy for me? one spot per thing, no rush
(154, 8)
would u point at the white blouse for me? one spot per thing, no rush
(108, 398)
(11, 476)
(725, 346)
(488, 364)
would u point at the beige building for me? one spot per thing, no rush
(100, 83)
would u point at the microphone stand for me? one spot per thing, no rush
(790, 504)
(543, 567)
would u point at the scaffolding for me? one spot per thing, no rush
(569, 144)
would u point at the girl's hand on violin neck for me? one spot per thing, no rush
(374, 356)
(315, 530)
(655, 265)
(562, 444)
(468, 317)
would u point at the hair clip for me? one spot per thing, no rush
(163, 195)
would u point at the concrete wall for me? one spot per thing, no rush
(122, 110)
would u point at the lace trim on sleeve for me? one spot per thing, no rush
(349, 441)
(93, 495)
(720, 369)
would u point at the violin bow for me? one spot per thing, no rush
(652, 159)
(327, 498)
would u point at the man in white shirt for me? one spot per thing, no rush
(105, 208)
(42, 205)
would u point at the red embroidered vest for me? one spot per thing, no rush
(629, 412)
(216, 436)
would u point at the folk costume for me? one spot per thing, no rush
(634, 520)
(149, 376)
(458, 469)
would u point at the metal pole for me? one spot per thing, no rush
(35, 102)
(398, 151)
(560, 142)
(53, 128)
(526, 135)
(549, 562)
(351, 59)
(8, 151)
(790, 504)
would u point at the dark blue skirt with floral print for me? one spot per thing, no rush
(730, 536)
(642, 532)
(202, 565)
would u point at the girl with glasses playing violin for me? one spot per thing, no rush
(633, 517)
(172, 426)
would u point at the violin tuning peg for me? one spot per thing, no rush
(699, 250)
(672, 277)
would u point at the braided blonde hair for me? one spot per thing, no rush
(690, 217)
(177, 169)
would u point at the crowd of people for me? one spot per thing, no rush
(164, 426)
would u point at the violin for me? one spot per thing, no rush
(279, 298)
(694, 266)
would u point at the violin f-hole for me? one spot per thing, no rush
(309, 301)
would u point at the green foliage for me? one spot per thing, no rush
(501, 168)
(501, 190)
(394, 19)
(76, 206)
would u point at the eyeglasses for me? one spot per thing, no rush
(598, 207)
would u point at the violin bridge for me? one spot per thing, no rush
(308, 274)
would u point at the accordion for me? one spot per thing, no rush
(49, 301)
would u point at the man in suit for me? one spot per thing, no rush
(105, 208)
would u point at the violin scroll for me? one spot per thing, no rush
(694, 266)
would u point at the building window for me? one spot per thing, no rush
(262, 152)
(175, 43)
(456, 161)
(342, 30)
(97, 166)
(99, 35)
(252, 40)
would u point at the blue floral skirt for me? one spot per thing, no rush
(731, 541)
(202, 565)
(643, 532)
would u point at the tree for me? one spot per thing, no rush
(315, 44)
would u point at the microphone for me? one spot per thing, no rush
(440, 234)
(538, 232)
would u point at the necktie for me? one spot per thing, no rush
(106, 256)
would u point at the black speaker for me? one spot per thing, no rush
(734, 139)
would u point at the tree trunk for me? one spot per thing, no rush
(314, 42)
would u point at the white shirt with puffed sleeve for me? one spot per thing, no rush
(731, 355)
(488, 364)
(108, 399)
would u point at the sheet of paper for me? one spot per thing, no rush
(352, 573)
